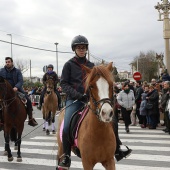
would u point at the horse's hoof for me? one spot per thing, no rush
(19, 159)
(53, 132)
(47, 132)
(15, 147)
(5, 153)
(10, 159)
(44, 129)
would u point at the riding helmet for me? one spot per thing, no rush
(50, 66)
(79, 40)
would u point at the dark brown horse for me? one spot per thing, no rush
(50, 106)
(14, 116)
(96, 139)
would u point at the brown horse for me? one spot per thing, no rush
(14, 116)
(96, 139)
(50, 106)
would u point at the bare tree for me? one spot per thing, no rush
(147, 65)
(22, 65)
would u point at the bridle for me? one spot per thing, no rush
(6, 102)
(97, 103)
(51, 87)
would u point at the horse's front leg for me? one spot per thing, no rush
(53, 125)
(47, 126)
(110, 164)
(7, 147)
(19, 158)
(86, 164)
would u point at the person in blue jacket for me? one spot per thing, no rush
(15, 78)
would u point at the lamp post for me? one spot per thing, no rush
(163, 10)
(56, 56)
(11, 43)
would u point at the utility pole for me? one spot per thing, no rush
(30, 72)
(56, 57)
(11, 43)
(163, 10)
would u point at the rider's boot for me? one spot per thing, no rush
(31, 120)
(66, 161)
(119, 153)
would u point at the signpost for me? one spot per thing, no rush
(137, 76)
(45, 69)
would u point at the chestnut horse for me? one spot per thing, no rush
(14, 116)
(50, 106)
(96, 138)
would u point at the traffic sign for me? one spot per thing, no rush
(137, 76)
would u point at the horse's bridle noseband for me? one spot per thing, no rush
(96, 103)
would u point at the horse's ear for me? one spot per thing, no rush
(110, 66)
(88, 70)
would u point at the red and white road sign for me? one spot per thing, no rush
(137, 76)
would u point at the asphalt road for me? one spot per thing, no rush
(151, 149)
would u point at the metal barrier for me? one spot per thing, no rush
(35, 99)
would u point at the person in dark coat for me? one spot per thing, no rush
(138, 93)
(153, 100)
(14, 77)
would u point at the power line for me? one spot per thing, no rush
(35, 48)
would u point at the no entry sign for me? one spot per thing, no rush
(137, 76)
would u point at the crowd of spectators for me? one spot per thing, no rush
(152, 101)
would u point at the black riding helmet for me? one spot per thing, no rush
(50, 66)
(79, 40)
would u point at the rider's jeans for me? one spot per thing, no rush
(70, 111)
(72, 108)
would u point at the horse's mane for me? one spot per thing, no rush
(100, 70)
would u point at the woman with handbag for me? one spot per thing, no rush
(152, 107)
(126, 99)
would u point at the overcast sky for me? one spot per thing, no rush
(117, 30)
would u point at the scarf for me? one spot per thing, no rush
(127, 91)
(50, 72)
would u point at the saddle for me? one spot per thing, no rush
(75, 123)
(22, 97)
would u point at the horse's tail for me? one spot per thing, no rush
(13, 135)
(49, 118)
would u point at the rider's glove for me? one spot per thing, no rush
(84, 98)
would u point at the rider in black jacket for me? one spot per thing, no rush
(72, 83)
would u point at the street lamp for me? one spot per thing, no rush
(11, 43)
(56, 57)
(163, 10)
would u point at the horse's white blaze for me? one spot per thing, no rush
(103, 92)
